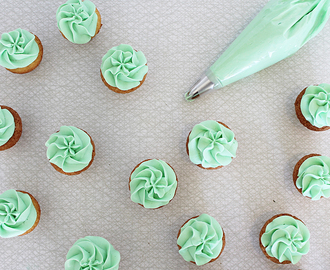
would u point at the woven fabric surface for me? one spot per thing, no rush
(180, 39)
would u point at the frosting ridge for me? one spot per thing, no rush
(7, 126)
(123, 67)
(70, 149)
(315, 105)
(153, 183)
(17, 213)
(92, 252)
(18, 49)
(286, 239)
(314, 177)
(200, 239)
(77, 20)
(211, 144)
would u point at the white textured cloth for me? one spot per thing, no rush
(180, 39)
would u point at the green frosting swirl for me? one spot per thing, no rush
(17, 213)
(153, 184)
(200, 239)
(7, 126)
(211, 144)
(18, 49)
(123, 67)
(315, 105)
(286, 239)
(92, 252)
(77, 20)
(314, 177)
(70, 149)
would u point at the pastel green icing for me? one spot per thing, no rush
(153, 184)
(92, 252)
(70, 149)
(314, 177)
(7, 126)
(123, 67)
(315, 105)
(200, 239)
(17, 213)
(77, 20)
(211, 144)
(286, 239)
(280, 29)
(18, 49)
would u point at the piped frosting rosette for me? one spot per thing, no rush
(17, 213)
(201, 240)
(70, 149)
(18, 49)
(211, 144)
(92, 252)
(285, 238)
(313, 177)
(153, 183)
(123, 67)
(77, 20)
(315, 105)
(7, 126)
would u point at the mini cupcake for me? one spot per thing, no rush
(284, 239)
(92, 252)
(123, 70)
(311, 176)
(78, 21)
(152, 183)
(201, 240)
(20, 51)
(211, 145)
(70, 150)
(19, 213)
(10, 127)
(313, 107)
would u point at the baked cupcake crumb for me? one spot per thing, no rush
(10, 126)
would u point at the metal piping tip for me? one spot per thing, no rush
(202, 86)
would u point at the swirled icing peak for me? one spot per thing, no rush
(314, 177)
(18, 49)
(315, 105)
(17, 213)
(7, 126)
(92, 252)
(211, 144)
(70, 149)
(123, 67)
(77, 20)
(153, 183)
(200, 239)
(286, 239)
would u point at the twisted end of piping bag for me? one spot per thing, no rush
(202, 86)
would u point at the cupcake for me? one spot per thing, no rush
(152, 183)
(92, 252)
(10, 127)
(19, 213)
(311, 176)
(70, 150)
(312, 107)
(201, 240)
(211, 145)
(284, 239)
(123, 70)
(78, 21)
(20, 51)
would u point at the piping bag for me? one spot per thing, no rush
(280, 29)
